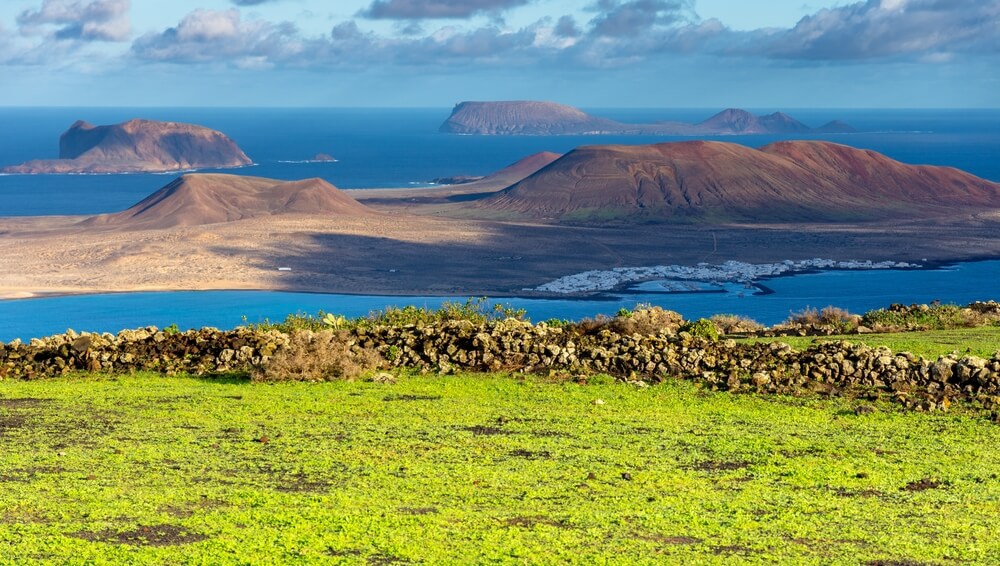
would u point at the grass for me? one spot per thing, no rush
(983, 342)
(482, 469)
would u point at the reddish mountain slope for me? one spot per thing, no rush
(716, 181)
(524, 167)
(508, 175)
(136, 146)
(193, 200)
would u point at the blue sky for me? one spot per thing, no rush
(642, 53)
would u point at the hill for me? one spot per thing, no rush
(807, 181)
(522, 117)
(138, 146)
(197, 199)
(508, 175)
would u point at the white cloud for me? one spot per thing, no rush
(97, 20)
(889, 28)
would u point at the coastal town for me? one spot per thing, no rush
(728, 272)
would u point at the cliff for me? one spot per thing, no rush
(138, 146)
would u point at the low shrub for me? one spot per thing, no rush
(292, 323)
(930, 317)
(317, 356)
(647, 320)
(735, 324)
(474, 310)
(702, 328)
(834, 319)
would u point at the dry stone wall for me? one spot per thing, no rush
(511, 345)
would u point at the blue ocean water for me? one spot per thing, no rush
(401, 147)
(858, 291)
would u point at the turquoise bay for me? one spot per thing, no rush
(857, 291)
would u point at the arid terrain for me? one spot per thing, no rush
(235, 232)
(412, 254)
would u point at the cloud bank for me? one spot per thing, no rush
(97, 20)
(426, 9)
(613, 33)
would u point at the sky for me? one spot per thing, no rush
(433, 53)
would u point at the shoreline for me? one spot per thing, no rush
(623, 289)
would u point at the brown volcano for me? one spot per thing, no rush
(197, 199)
(138, 146)
(800, 181)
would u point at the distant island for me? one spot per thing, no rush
(524, 117)
(138, 146)
(716, 182)
(324, 158)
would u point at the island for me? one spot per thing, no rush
(138, 146)
(528, 117)
(595, 218)
(324, 158)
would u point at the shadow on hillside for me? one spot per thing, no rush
(506, 258)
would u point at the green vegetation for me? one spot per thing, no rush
(983, 342)
(927, 317)
(483, 469)
(702, 328)
(477, 310)
(834, 318)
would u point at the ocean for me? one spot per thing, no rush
(401, 148)
(859, 291)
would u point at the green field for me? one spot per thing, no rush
(483, 469)
(983, 342)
